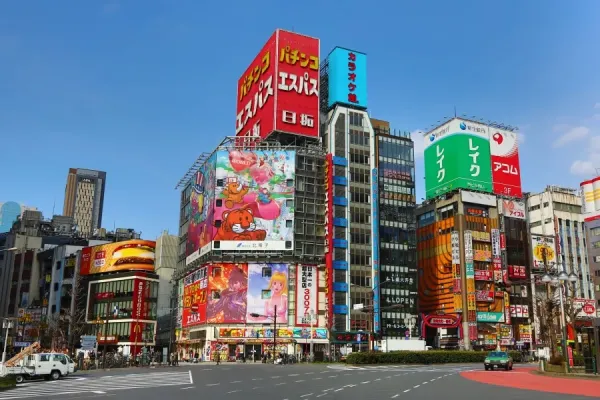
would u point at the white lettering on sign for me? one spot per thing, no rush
(291, 118)
(193, 318)
(302, 84)
(140, 299)
(265, 91)
(507, 169)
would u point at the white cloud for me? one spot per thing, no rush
(572, 135)
(583, 168)
(417, 137)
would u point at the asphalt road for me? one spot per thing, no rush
(270, 382)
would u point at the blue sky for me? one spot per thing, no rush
(140, 88)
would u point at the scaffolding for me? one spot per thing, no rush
(309, 201)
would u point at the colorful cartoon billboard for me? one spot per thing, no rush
(254, 200)
(200, 228)
(228, 293)
(195, 294)
(129, 255)
(267, 289)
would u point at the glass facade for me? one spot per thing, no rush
(397, 232)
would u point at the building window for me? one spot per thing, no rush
(595, 231)
(533, 208)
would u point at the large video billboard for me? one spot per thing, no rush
(506, 171)
(130, 255)
(457, 155)
(202, 196)
(195, 295)
(267, 290)
(228, 293)
(254, 208)
(280, 89)
(347, 78)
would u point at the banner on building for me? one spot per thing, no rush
(455, 242)
(468, 247)
(307, 294)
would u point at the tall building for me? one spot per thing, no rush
(84, 199)
(252, 225)
(557, 214)
(397, 232)
(465, 280)
(10, 211)
(591, 213)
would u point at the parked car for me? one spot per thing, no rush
(499, 359)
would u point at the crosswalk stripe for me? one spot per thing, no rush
(71, 385)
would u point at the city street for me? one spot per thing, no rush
(259, 381)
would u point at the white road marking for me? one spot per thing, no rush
(306, 395)
(300, 380)
(186, 388)
(235, 382)
(337, 390)
(257, 379)
(407, 390)
(416, 386)
(394, 396)
(98, 392)
(280, 383)
(212, 384)
(316, 379)
(366, 382)
(191, 379)
(235, 391)
(293, 374)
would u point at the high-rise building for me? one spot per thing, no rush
(467, 285)
(397, 232)
(84, 199)
(10, 211)
(557, 213)
(591, 213)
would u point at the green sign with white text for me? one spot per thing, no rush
(456, 158)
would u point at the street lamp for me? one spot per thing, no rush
(556, 281)
(7, 324)
(274, 319)
(375, 288)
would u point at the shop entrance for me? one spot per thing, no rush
(255, 349)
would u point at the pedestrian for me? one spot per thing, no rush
(217, 357)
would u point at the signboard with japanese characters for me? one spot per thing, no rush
(485, 296)
(455, 243)
(495, 234)
(457, 156)
(280, 89)
(468, 247)
(483, 275)
(307, 293)
(347, 78)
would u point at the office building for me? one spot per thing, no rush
(84, 199)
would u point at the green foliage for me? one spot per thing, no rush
(423, 357)
(8, 381)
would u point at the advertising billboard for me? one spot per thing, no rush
(255, 111)
(512, 208)
(347, 78)
(228, 293)
(457, 155)
(585, 308)
(590, 193)
(280, 89)
(506, 171)
(329, 239)
(544, 252)
(297, 93)
(129, 255)
(195, 295)
(307, 294)
(254, 206)
(267, 289)
(202, 198)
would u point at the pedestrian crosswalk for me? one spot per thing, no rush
(96, 384)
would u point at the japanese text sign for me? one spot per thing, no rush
(347, 78)
(468, 247)
(307, 292)
(280, 89)
(455, 242)
(195, 294)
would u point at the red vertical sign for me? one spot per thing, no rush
(506, 171)
(139, 309)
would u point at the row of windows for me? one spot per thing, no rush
(398, 149)
(360, 138)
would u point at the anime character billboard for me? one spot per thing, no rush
(202, 196)
(254, 196)
(267, 288)
(228, 291)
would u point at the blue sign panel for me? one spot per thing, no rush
(347, 78)
(375, 250)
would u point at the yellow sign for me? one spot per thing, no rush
(542, 250)
(471, 305)
(481, 236)
(470, 286)
(121, 256)
(458, 303)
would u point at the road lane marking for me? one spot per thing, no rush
(322, 394)
(416, 386)
(257, 379)
(327, 390)
(407, 390)
(424, 383)
(316, 379)
(337, 390)
(235, 382)
(186, 388)
(98, 392)
(306, 395)
(365, 382)
(378, 379)
(191, 379)
(308, 373)
(280, 383)
(300, 380)
(293, 374)
(235, 391)
(276, 376)
(394, 396)
(256, 387)
(212, 384)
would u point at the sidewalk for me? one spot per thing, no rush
(525, 378)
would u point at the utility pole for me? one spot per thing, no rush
(105, 334)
